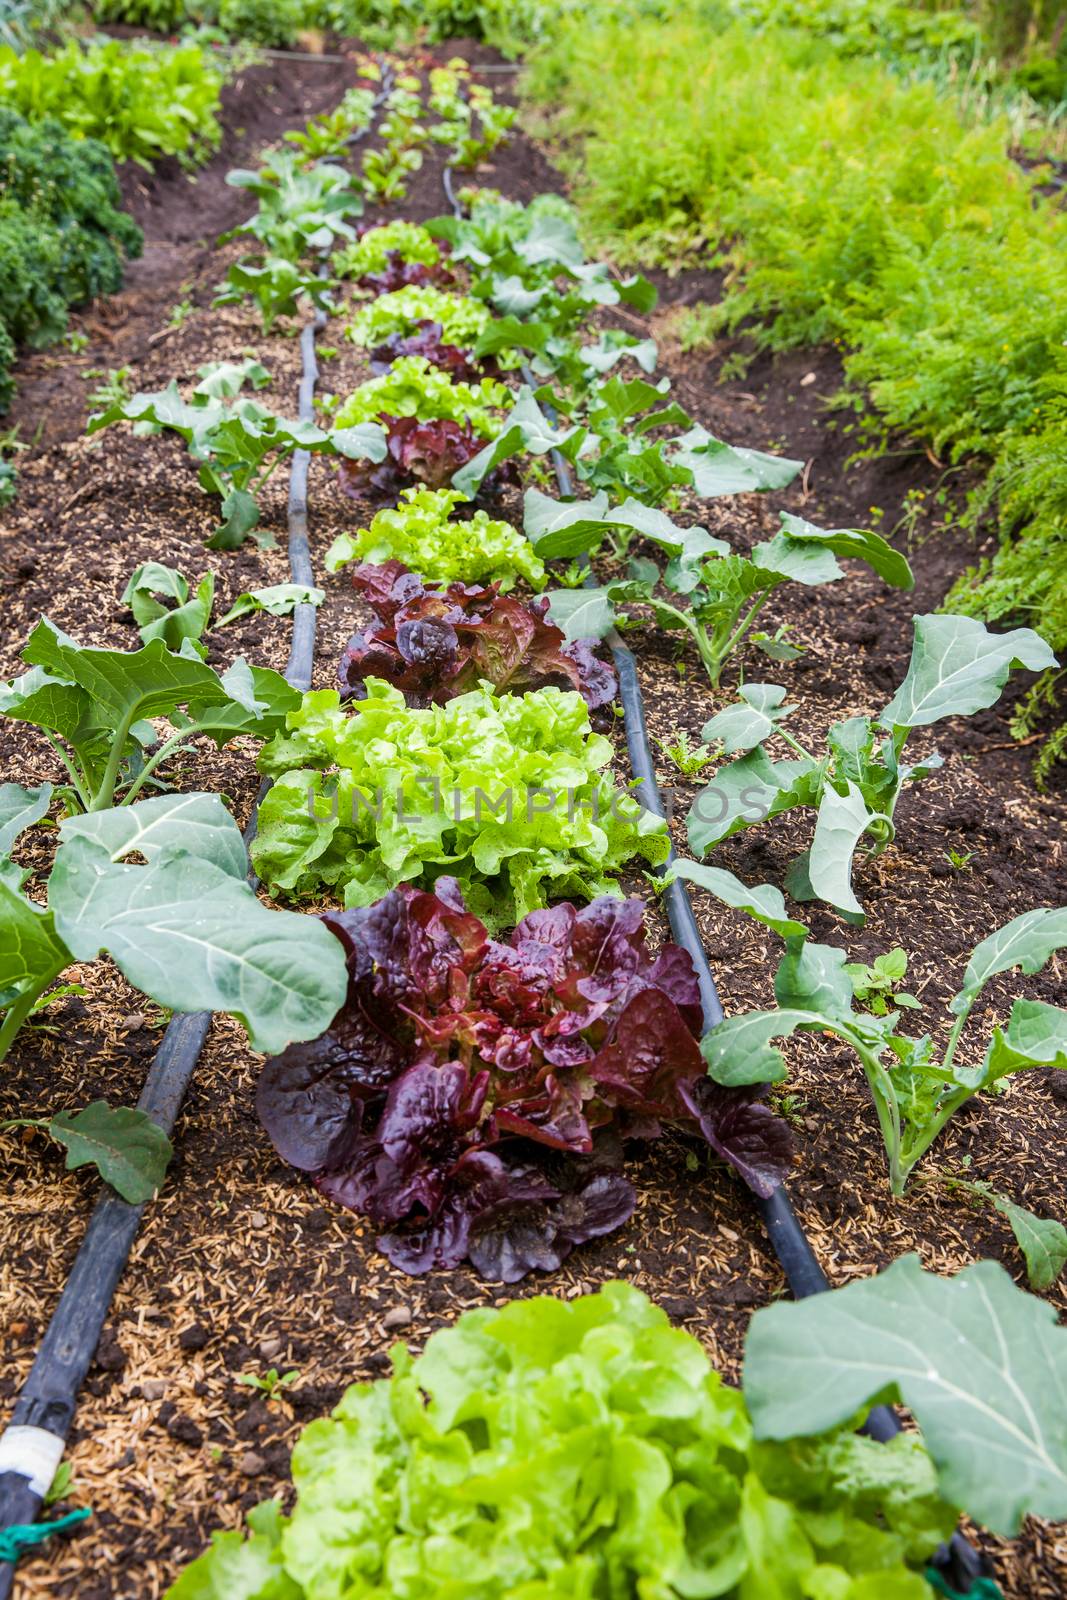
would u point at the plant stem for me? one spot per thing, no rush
(76, 778)
(167, 748)
(19, 1009)
(884, 1096)
(746, 622)
(106, 793)
(794, 744)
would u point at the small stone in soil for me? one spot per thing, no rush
(252, 1465)
(397, 1317)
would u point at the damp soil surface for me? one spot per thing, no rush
(239, 1266)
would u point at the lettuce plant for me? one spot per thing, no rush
(562, 1449)
(376, 249)
(469, 1094)
(435, 643)
(239, 444)
(183, 926)
(94, 706)
(957, 667)
(916, 1088)
(433, 426)
(505, 792)
(413, 388)
(419, 533)
(462, 320)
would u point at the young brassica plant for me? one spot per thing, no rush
(916, 1088)
(95, 708)
(238, 445)
(716, 596)
(957, 667)
(183, 926)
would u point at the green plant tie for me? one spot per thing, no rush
(981, 1588)
(23, 1536)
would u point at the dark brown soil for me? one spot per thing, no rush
(239, 1266)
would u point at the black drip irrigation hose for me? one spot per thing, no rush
(958, 1563)
(31, 1446)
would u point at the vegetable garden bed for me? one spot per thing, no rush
(240, 1266)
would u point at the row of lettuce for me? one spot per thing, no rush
(472, 1089)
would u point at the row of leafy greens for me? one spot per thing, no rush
(561, 1448)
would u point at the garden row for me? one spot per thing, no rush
(473, 1093)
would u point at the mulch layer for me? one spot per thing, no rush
(239, 1266)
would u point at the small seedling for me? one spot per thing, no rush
(113, 390)
(75, 342)
(875, 986)
(960, 859)
(683, 757)
(790, 1106)
(180, 314)
(271, 1383)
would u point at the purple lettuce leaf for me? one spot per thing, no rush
(398, 274)
(472, 1096)
(437, 641)
(421, 452)
(427, 340)
(743, 1131)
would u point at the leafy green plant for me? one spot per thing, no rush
(414, 388)
(276, 284)
(239, 444)
(586, 1447)
(184, 927)
(328, 136)
(916, 1089)
(272, 1383)
(141, 99)
(504, 792)
(875, 985)
(957, 667)
(473, 124)
(60, 1485)
(1042, 1240)
(266, 22)
(682, 756)
(62, 234)
(94, 706)
(462, 319)
(420, 532)
(718, 596)
(151, 586)
(113, 389)
(300, 208)
(370, 253)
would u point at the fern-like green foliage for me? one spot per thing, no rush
(854, 207)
